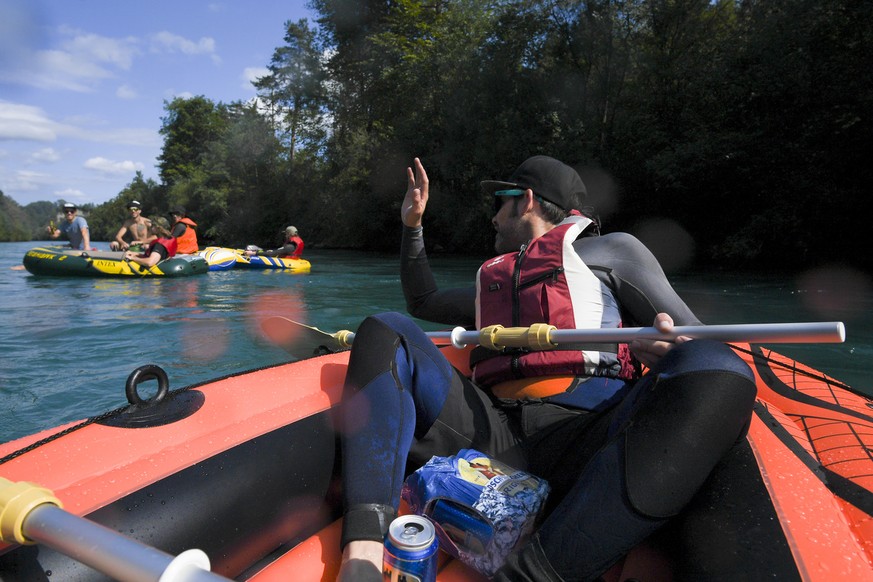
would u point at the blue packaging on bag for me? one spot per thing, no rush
(482, 509)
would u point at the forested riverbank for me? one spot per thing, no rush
(730, 134)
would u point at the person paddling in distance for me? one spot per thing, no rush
(136, 228)
(163, 244)
(74, 227)
(622, 458)
(292, 247)
(185, 232)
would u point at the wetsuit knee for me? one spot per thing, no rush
(701, 356)
(694, 412)
(373, 354)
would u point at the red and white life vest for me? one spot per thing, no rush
(547, 282)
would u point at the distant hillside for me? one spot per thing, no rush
(14, 222)
(22, 223)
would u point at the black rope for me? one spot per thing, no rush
(116, 412)
(83, 424)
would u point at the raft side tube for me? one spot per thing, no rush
(238, 506)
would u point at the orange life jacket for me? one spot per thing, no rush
(188, 241)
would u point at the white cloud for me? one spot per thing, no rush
(79, 64)
(167, 42)
(106, 166)
(252, 74)
(45, 155)
(29, 123)
(26, 122)
(103, 49)
(125, 92)
(24, 181)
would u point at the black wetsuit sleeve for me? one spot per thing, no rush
(285, 251)
(635, 276)
(179, 229)
(424, 299)
(161, 250)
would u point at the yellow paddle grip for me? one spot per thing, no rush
(17, 500)
(342, 338)
(535, 337)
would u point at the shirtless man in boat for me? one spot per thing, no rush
(136, 228)
(621, 456)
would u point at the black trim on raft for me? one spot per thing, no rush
(240, 506)
(782, 389)
(844, 488)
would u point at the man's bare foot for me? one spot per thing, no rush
(362, 562)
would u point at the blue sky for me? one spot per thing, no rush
(83, 83)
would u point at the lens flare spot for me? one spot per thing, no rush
(835, 291)
(286, 303)
(669, 242)
(204, 340)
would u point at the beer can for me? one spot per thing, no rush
(410, 550)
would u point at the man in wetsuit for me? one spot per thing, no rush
(622, 457)
(292, 247)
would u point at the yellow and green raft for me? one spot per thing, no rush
(62, 261)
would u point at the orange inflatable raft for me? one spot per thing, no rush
(246, 469)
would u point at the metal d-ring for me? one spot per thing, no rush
(144, 374)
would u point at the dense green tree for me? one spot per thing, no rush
(188, 127)
(294, 90)
(740, 126)
(246, 165)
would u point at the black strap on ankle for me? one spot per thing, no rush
(367, 521)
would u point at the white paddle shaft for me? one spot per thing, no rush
(814, 332)
(112, 553)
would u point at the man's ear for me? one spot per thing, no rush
(528, 201)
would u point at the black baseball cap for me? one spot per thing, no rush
(134, 204)
(549, 179)
(70, 206)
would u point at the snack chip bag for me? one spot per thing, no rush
(482, 509)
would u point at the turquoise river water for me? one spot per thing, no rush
(67, 345)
